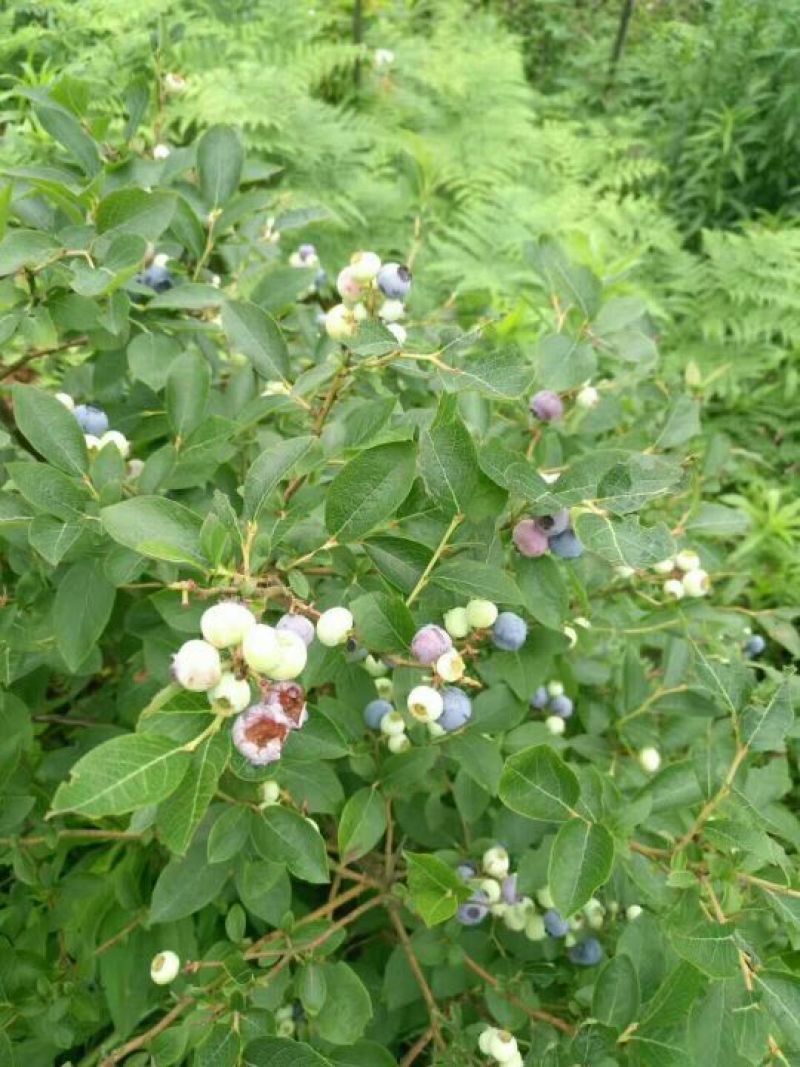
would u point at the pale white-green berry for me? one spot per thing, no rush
(571, 635)
(481, 613)
(340, 323)
(364, 266)
(392, 310)
(456, 622)
(196, 666)
(673, 588)
(490, 888)
(485, 1038)
(594, 912)
(92, 442)
(333, 626)
(66, 400)
(286, 1011)
(165, 967)
(696, 583)
(555, 724)
(226, 623)
(650, 759)
(545, 897)
(270, 794)
(503, 1046)
(285, 1028)
(576, 922)
(260, 647)
(623, 571)
(393, 724)
(161, 151)
(587, 398)
(135, 468)
(231, 692)
(425, 704)
(276, 388)
(570, 940)
(534, 928)
(687, 560)
(435, 729)
(516, 916)
(293, 653)
(665, 566)
(632, 912)
(496, 862)
(555, 689)
(360, 313)
(582, 622)
(499, 909)
(385, 688)
(450, 666)
(398, 332)
(399, 743)
(375, 667)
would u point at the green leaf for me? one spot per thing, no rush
(580, 862)
(188, 385)
(186, 885)
(179, 815)
(156, 527)
(347, 1009)
(536, 782)
(544, 593)
(362, 824)
(228, 834)
(629, 485)
(135, 211)
(369, 489)
(281, 835)
(479, 757)
(26, 248)
(764, 729)
(268, 469)
(682, 423)
(469, 578)
(63, 127)
(51, 429)
(436, 890)
(190, 296)
(400, 560)
(150, 356)
(222, 1048)
(615, 1000)
(219, 164)
(781, 992)
(710, 947)
(81, 610)
(500, 375)
(384, 622)
(711, 1028)
(718, 520)
(373, 339)
(52, 538)
(786, 908)
(255, 333)
(121, 775)
(573, 285)
(282, 1052)
(448, 461)
(565, 362)
(623, 541)
(51, 490)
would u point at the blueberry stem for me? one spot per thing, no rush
(455, 522)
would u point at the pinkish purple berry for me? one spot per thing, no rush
(430, 642)
(547, 406)
(529, 539)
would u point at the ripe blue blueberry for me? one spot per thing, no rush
(91, 419)
(754, 646)
(553, 525)
(586, 953)
(156, 277)
(508, 890)
(374, 712)
(457, 709)
(547, 405)
(509, 631)
(465, 871)
(394, 281)
(562, 705)
(474, 911)
(554, 924)
(566, 545)
(540, 697)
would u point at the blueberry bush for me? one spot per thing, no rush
(379, 681)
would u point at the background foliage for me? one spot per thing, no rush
(565, 220)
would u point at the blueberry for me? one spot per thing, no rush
(307, 251)
(466, 870)
(552, 525)
(156, 277)
(457, 709)
(554, 924)
(566, 545)
(508, 890)
(320, 279)
(754, 646)
(529, 539)
(91, 419)
(540, 697)
(509, 631)
(474, 911)
(547, 406)
(586, 953)
(374, 712)
(430, 642)
(562, 706)
(394, 281)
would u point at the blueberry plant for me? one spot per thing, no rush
(375, 689)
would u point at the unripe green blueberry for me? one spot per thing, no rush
(632, 912)
(496, 862)
(666, 566)
(516, 916)
(587, 398)
(226, 623)
(393, 724)
(340, 323)
(687, 560)
(450, 666)
(623, 571)
(231, 692)
(555, 689)
(503, 1046)
(392, 310)
(696, 583)
(66, 400)
(374, 667)
(270, 794)
(425, 704)
(364, 266)
(456, 622)
(485, 1039)
(650, 759)
(196, 666)
(260, 648)
(545, 897)
(333, 626)
(385, 687)
(534, 928)
(673, 588)
(435, 729)
(555, 724)
(118, 440)
(399, 743)
(398, 332)
(481, 614)
(165, 967)
(348, 286)
(293, 654)
(490, 888)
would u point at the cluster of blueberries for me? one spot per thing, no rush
(548, 533)
(369, 287)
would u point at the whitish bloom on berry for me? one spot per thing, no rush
(587, 398)
(196, 666)
(673, 588)
(165, 967)
(696, 583)
(496, 862)
(231, 692)
(503, 1046)
(340, 323)
(665, 566)
(226, 623)
(293, 654)
(429, 643)
(555, 724)
(66, 400)
(333, 626)
(632, 912)
(393, 724)
(364, 266)
(297, 624)
(260, 732)
(425, 704)
(456, 622)
(481, 613)
(392, 310)
(260, 647)
(687, 560)
(450, 666)
(161, 151)
(650, 760)
(399, 743)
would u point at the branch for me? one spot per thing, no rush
(455, 522)
(38, 353)
(532, 1013)
(422, 982)
(143, 1039)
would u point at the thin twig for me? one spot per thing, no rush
(143, 1039)
(417, 1048)
(710, 806)
(123, 933)
(455, 522)
(422, 982)
(532, 1013)
(38, 353)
